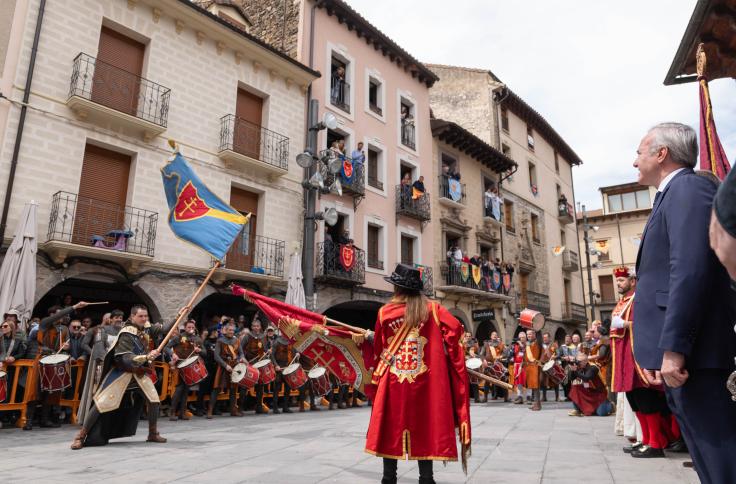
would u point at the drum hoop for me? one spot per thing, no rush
(322, 371)
(291, 368)
(474, 360)
(187, 362)
(262, 363)
(550, 364)
(54, 359)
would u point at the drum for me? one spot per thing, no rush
(474, 364)
(3, 386)
(554, 372)
(295, 376)
(266, 371)
(192, 370)
(56, 373)
(531, 319)
(498, 371)
(319, 381)
(244, 375)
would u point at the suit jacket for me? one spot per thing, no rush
(682, 299)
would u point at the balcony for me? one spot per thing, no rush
(565, 212)
(408, 206)
(408, 136)
(455, 282)
(570, 261)
(246, 145)
(340, 94)
(86, 227)
(255, 257)
(329, 268)
(104, 93)
(573, 313)
(534, 300)
(355, 187)
(452, 192)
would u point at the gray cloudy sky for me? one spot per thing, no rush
(593, 69)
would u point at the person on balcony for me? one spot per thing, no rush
(406, 189)
(358, 159)
(562, 203)
(337, 93)
(418, 189)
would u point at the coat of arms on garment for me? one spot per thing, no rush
(409, 360)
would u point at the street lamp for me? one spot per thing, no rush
(588, 252)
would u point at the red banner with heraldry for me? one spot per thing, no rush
(347, 257)
(329, 346)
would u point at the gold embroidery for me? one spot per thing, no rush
(408, 362)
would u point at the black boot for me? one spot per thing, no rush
(29, 416)
(46, 420)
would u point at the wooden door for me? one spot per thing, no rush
(247, 130)
(242, 254)
(117, 72)
(101, 200)
(568, 309)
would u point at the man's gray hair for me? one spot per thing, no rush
(679, 139)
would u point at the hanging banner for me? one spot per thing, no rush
(476, 274)
(347, 257)
(558, 250)
(496, 279)
(464, 271)
(455, 189)
(506, 283)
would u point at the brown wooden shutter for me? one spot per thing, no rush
(373, 245)
(605, 283)
(118, 69)
(248, 119)
(103, 190)
(407, 250)
(240, 257)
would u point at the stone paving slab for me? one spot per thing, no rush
(511, 444)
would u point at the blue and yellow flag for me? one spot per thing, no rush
(195, 213)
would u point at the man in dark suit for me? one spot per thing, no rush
(684, 308)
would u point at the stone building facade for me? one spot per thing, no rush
(195, 67)
(536, 225)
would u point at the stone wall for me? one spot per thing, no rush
(275, 22)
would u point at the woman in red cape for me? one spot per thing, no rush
(421, 392)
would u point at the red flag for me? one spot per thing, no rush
(332, 347)
(712, 156)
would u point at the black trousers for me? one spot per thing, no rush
(390, 466)
(707, 418)
(647, 400)
(277, 384)
(179, 399)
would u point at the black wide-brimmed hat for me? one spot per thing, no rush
(406, 277)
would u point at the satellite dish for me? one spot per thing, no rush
(330, 120)
(330, 216)
(317, 180)
(305, 160)
(336, 187)
(334, 165)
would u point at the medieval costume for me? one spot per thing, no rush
(282, 353)
(549, 353)
(588, 390)
(253, 347)
(227, 354)
(183, 346)
(532, 370)
(420, 368)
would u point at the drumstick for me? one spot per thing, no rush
(490, 379)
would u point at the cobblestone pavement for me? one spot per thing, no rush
(510, 444)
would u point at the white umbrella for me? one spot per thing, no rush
(18, 272)
(295, 288)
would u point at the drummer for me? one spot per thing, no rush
(282, 354)
(549, 353)
(532, 367)
(472, 350)
(52, 337)
(307, 364)
(227, 355)
(253, 347)
(180, 347)
(491, 352)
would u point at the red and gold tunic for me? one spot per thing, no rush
(625, 372)
(531, 365)
(423, 395)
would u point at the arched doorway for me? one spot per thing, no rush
(560, 336)
(518, 330)
(484, 330)
(577, 332)
(362, 314)
(119, 295)
(462, 318)
(222, 304)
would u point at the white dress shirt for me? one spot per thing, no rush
(667, 179)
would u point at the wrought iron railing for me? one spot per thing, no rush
(254, 141)
(256, 254)
(355, 185)
(573, 312)
(330, 265)
(409, 206)
(454, 275)
(447, 192)
(340, 93)
(534, 300)
(96, 223)
(570, 261)
(408, 135)
(565, 211)
(118, 89)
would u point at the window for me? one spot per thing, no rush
(504, 120)
(407, 249)
(558, 191)
(407, 115)
(375, 168)
(602, 246)
(533, 178)
(450, 169)
(375, 96)
(563, 238)
(508, 215)
(535, 227)
(491, 199)
(557, 165)
(339, 83)
(375, 259)
(506, 150)
(629, 201)
(605, 283)
(242, 254)
(340, 140)
(530, 138)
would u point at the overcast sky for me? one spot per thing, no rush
(593, 69)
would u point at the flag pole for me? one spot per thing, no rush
(346, 326)
(188, 307)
